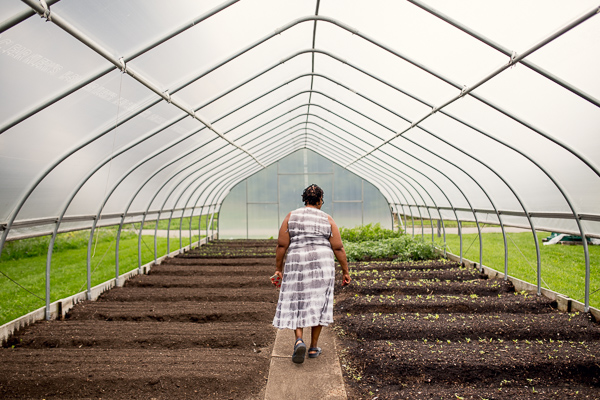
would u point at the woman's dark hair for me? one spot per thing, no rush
(312, 195)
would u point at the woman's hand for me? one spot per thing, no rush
(346, 279)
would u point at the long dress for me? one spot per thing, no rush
(306, 296)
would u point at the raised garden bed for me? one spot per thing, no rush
(435, 330)
(195, 327)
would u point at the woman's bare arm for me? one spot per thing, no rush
(338, 249)
(283, 242)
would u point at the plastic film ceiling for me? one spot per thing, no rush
(456, 110)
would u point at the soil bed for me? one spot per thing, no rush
(192, 328)
(412, 331)
(202, 281)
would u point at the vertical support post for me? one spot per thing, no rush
(480, 243)
(200, 225)
(117, 250)
(48, 263)
(537, 249)
(422, 227)
(140, 244)
(432, 232)
(586, 307)
(505, 249)
(89, 259)
(207, 221)
(190, 227)
(169, 233)
(155, 235)
(200, 222)
(212, 216)
(180, 235)
(443, 233)
(217, 223)
(362, 202)
(460, 237)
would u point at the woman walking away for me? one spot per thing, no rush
(311, 238)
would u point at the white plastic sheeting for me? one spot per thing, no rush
(451, 109)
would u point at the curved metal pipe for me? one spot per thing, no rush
(392, 197)
(156, 194)
(116, 64)
(340, 164)
(213, 172)
(437, 155)
(208, 181)
(226, 186)
(140, 163)
(82, 182)
(431, 220)
(537, 246)
(208, 184)
(359, 138)
(407, 191)
(291, 140)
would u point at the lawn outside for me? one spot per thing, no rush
(563, 267)
(68, 273)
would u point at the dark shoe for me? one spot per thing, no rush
(314, 352)
(299, 352)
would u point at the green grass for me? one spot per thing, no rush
(563, 267)
(448, 223)
(68, 272)
(164, 223)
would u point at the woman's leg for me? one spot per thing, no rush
(299, 332)
(314, 337)
(299, 347)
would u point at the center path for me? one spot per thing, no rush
(198, 326)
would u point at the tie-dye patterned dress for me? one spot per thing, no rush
(306, 296)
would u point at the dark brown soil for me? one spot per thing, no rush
(195, 327)
(199, 326)
(435, 330)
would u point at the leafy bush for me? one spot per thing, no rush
(374, 242)
(368, 232)
(404, 248)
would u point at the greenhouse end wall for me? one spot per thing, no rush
(255, 208)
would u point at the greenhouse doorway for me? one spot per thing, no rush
(256, 206)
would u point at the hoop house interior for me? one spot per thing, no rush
(115, 112)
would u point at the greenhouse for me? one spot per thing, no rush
(205, 120)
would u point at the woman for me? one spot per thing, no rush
(311, 238)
